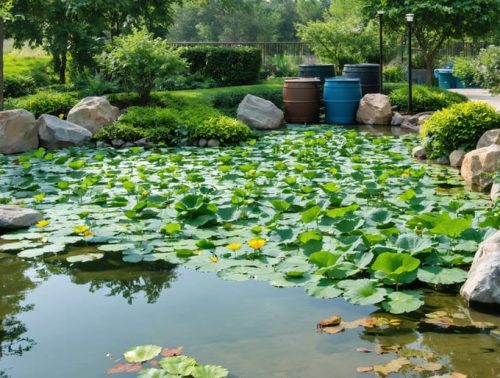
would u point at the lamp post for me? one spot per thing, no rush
(381, 47)
(409, 19)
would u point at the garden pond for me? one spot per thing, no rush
(237, 253)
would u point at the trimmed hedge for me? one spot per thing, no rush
(18, 86)
(425, 98)
(224, 65)
(458, 127)
(45, 103)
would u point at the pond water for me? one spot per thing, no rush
(63, 321)
(107, 269)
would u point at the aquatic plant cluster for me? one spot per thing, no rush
(334, 211)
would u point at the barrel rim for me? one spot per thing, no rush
(342, 78)
(371, 65)
(316, 65)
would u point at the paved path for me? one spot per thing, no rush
(483, 95)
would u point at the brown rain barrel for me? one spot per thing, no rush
(302, 99)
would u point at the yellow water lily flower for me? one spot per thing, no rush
(234, 246)
(88, 233)
(43, 223)
(81, 229)
(61, 116)
(257, 243)
(214, 259)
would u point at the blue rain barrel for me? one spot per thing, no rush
(341, 97)
(445, 78)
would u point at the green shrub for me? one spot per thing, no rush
(18, 86)
(175, 125)
(45, 103)
(138, 60)
(393, 74)
(225, 129)
(391, 87)
(425, 98)
(489, 68)
(466, 69)
(458, 127)
(224, 65)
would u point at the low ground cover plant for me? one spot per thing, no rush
(425, 98)
(45, 102)
(458, 127)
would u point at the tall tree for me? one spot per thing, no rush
(437, 21)
(79, 28)
(4, 13)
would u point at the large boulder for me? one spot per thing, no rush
(457, 158)
(482, 283)
(14, 217)
(18, 131)
(374, 109)
(56, 133)
(495, 191)
(260, 114)
(488, 138)
(93, 113)
(479, 167)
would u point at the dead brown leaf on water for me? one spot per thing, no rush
(124, 368)
(332, 321)
(364, 350)
(171, 352)
(333, 330)
(384, 349)
(393, 366)
(364, 369)
(451, 375)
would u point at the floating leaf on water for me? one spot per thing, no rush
(400, 302)
(333, 330)
(209, 371)
(332, 321)
(85, 258)
(170, 352)
(431, 366)
(124, 368)
(363, 291)
(311, 215)
(393, 366)
(35, 252)
(181, 365)
(441, 276)
(142, 353)
(155, 373)
(364, 369)
(324, 288)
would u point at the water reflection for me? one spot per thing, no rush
(128, 280)
(15, 283)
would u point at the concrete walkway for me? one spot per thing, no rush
(476, 94)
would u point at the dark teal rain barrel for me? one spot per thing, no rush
(367, 73)
(341, 97)
(320, 71)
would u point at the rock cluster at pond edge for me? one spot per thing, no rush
(15, 217)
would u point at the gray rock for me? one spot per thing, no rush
(488, 138)
(144, 142)
(482, 283)
(397, 119)
(374, 109)
(422, 117)
(443, 160)
(411, 123)
(128, 145)
(56, 133)
(479, 167)
(117, 143)
(18, 131)
(456, 158)
(93, 113)
(419, 153)
(101, 144)
(15, 217)
(202, 142)
(213, 143)
(260, 114)
(495, 191)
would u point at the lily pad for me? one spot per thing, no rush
(142, 353)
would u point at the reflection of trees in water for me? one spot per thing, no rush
(14, 285)
(125, 279)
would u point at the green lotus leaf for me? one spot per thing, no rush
(35, 252)
(414, 244)
(85, 258)
(181, 365)
(209, 371)
(395, 264)
(308, 236)
(323, 259)
(156, 373)
(311, 215)
(280, 205)
(142, 353)
(400, 302)
(324, 288)
(363, 291)
(341, 211)
(330, 187)
(437, 275)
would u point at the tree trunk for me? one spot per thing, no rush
(429, 65)
(1, 63)
(62, 67)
